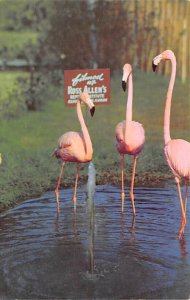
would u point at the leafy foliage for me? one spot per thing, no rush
(11, 99)
(69, 33)
(38, 89)
(22, 15)
(99, 33)
(114, 33)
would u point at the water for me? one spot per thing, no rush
(98, 252)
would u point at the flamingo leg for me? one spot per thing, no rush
(132, 229)
(75, 224)
(76, 183)
(183, 214)
(122, 182)
(132, 185)
(186, 196)
(58, 185)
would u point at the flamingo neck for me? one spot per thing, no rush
(167, 137)
(85, 133)
(129, 99)
(129, 106)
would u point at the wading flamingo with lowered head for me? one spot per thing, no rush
(129, 135)
(75, 146)
(177, 151)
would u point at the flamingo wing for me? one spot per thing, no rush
(135, 135)
(71, 147)
(177, 153)
(131, 141)
(119, 131)
(67, 139)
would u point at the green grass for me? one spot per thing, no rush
(16, 41)
(27, 142)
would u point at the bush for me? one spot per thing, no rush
(38, 89)
(11, 99)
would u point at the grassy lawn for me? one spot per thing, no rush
(27, 142)
(17, 40)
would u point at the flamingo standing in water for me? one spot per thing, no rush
(75, 146)
(177, 151)
(129, 135)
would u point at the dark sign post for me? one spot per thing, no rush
(95, 82)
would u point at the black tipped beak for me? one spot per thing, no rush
(92, 111)
(124, 85)
(154, 66)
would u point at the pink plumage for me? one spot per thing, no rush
(72, 148)
(75, 146)
(129, 135)
(134, 141)
(177, 152)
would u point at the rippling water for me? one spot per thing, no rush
(97, 252)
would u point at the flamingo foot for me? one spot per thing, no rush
(132, 225)
(122, 199)
(181, 232)
(133, 203)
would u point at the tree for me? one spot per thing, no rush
(23, 15)
(69, 34)
(113, 32)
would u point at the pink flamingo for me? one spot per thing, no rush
(129, 135)
(177, 152)
(75, 146)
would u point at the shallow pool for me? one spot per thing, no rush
(97, 252)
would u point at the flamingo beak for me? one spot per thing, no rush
(156, 60)
(92, 111)
(154, 66)
(124, 85)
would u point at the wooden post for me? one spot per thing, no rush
(168, 20)
(162, 31)
(188, 38)
(184, 45)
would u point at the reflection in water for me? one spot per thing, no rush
(131, 230)
(122, 226)
(182, 243)
(75, 222)
(91, 239)
(91, 185)
(97, 252)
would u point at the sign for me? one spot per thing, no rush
(95, 82)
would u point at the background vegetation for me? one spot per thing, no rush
(41, 38)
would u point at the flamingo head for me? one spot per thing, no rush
(85, 98)
(127, 70)
(165, 55)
